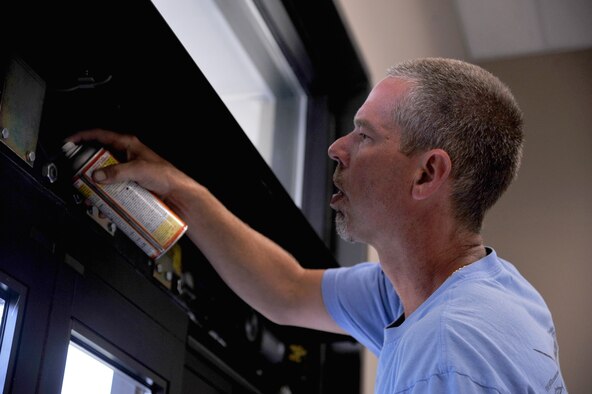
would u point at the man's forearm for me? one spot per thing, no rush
(258, 270)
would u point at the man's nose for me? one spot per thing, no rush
(338, 152)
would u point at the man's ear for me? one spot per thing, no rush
(434, 167)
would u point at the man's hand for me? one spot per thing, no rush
(143, 165)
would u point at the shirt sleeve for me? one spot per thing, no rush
(362, 302)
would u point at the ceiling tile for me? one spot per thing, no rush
(500, 28)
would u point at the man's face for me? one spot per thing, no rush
(373, 177)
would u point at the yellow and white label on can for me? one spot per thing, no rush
(139, 213)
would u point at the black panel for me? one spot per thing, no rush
(75, 273)
(318, 46)
(26, 246)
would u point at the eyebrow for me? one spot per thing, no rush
(363, 123)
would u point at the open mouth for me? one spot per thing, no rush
(337, 196)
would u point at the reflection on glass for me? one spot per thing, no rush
(2, 303)
(86, 373)
(238, 54)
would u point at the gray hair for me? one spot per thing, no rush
(469, 113)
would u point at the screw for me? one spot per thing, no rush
(30, 157)
(5, 133)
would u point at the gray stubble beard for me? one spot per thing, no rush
(341, 227)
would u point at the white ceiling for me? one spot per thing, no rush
(502, 28)
(387, 31)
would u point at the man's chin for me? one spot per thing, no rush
(342, 228)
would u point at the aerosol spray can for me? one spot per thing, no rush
(140, 214)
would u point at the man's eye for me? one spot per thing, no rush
(363, 136)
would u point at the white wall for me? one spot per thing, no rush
(388, 31)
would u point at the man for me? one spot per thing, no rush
(433, 147)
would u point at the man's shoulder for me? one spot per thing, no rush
(492, 308)
(489, 348)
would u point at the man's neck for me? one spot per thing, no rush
(426, 261)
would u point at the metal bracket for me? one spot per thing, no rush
(104, 222)
(22, 93)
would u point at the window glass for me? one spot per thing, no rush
(234, 49)
(12, 301)
(86, 373)
(2, 303)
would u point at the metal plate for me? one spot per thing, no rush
(21, 103)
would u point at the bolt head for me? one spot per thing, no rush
(50, 171)
(30, 157)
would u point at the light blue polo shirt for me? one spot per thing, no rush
(484, 330)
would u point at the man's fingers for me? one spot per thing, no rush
(127, 143)
(121, 142)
